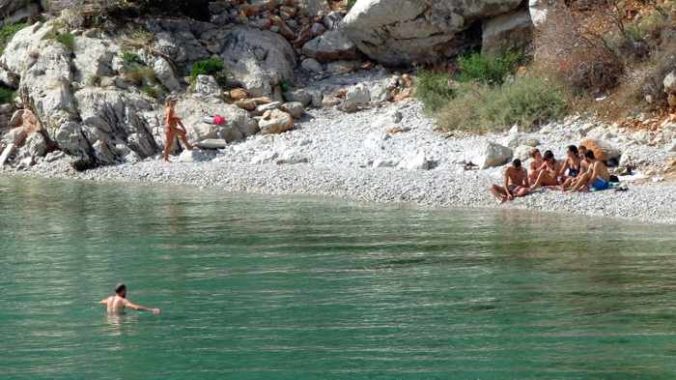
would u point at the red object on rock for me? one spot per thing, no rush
(219, 120)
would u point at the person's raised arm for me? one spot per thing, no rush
(104, 301)
(136, 307)
(565, 166)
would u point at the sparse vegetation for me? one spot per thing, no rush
(139, 75)
(131, 58)
(7, 32)
(67, 39)
(209, 66)
(476, 67)
(151, 91)
(528, 101)
(94, 81)
(351, 3)
(6, 95)
(433, 89)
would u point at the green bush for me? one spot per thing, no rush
(6, 95)
(151, 91)
(131, 58)
(7, 32)
(527, 101)
(351, 3)
(487, 69)
(67, 39)
(209, 66)
(433, 90)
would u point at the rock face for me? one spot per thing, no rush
(193, 110)
(511, 31)
(397, 32)
(331, 46)
(17, 10)
(259, 59)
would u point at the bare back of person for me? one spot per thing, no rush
(118, 302)
(115, 304)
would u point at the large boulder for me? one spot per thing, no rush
(12, 11)
(603, 150)
(194, 109)
(93, 58)
(165, 74)
(669, 82)
(331, 46)
(511, 31)
(399, 32)
(488, 155)
(259, 59)
(114, 117)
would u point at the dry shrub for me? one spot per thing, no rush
(575, 49)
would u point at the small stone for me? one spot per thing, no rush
(295, 109)
(312, 65)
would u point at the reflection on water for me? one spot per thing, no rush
(260, 287)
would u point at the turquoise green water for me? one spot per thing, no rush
(268, 288)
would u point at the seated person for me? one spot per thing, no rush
(535, 165)
(516, 183)
(584, 165)
(571, 167)
(596, 178)
(548, 172)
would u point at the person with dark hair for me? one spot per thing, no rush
(571, 167)
(516, 183)
(596, 178)
(584, 165)
(118, 302)
(548, 172)
(535, 165)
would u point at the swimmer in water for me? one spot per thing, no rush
(117, 303)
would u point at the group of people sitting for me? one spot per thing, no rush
(579, 171)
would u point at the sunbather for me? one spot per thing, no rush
(548, 172)
(571, 167)
(596, 178)
(535, 165)
(516, 183)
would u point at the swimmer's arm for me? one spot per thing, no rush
(136, 307)
(104, 301)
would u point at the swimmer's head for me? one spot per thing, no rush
(121, 290)
(516, 163)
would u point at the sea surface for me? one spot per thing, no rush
(255, 287)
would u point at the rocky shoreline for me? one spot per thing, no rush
(392, 154)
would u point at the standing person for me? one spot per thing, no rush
(515, 185)
(118, 302)
(548, 172)
(535, 165)
(173, 126)
(596, 178)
